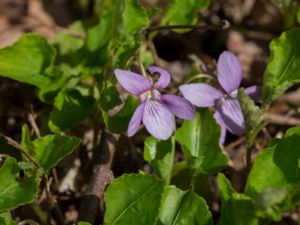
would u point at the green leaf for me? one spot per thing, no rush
(199, 140)
(276, 166)
(184, 11)
(252, 114)
(270, 203)
(72, 106)
(5, 219)
(60, 77)
(183, 178)
(129, 36)
(298, 15)
(27, 60)
(283, 69)
(83, 223)
(26, 142)
(237, 209)
(100, 35)
(93, 56)
(183, 207)
(69, 43)
(110, 97)
(137, 194)
(16, 190)
(134, 18)
(160, 154)
(119, 122)
(51, 149)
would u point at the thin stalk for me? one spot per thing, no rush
(223, 26)
(39, 213)
(199, 76)
(249, 158)
(59, 214)
(142, 69)
(17, 146)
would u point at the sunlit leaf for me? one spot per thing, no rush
(129, 33)
(270, 203)
(5, 219)
(16, 190)
(60, 77)
(68, 43)
(276, 166)
(27, 60)
(130, 196)
(237, 209)
(183, 11)
(283, 69)
(183, 207)
(51, 149)
(199, 140)
(83, 223)
(160, 154)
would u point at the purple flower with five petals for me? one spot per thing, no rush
(156, 110)
(228, 112)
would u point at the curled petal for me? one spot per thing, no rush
(132, 82)
(220, 121)
(158, 120)
(254, 92)
(181, 107)
(164, 78)
(136, 120)
(229, 71)
(231, 113)
(200, 94)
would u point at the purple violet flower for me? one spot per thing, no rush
(228, 112)
(156, 110)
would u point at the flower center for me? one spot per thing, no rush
(153, 95)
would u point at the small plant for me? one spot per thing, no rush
(81, 79)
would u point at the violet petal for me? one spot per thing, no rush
(231, 113)
(136, 120)
(200, 94)
(181, 107)
(229, 71)
(220, 121)
(254, 92)
(158, 120)
(132, 82)
(164, 78)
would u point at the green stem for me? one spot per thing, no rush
(142, 69)
(224, 25)
(40, 213)
(199, 76)
(59, 214)
(249, 158)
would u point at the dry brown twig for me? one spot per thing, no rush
(31, 119)
(102, 176)
(281, 119)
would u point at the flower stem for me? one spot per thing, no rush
(199, 76)
(223, 26)
(142, 69)
(249, 158)
(39, 213)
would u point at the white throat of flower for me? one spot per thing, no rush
(153, 95)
